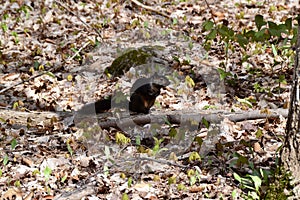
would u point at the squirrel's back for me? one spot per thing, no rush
(142, 96)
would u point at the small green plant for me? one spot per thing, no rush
(122, 139)
(279, 37)
(69, 147)
(26, 10)
(35, 172)
(125, 196)
(245, 102)
(194, 156)
(156, 149)
(129, 182)
(194, 175)
(13, 143)
(15, 35)
(17, 183)
(5, 160)
(252, 183)
(258, 88)
(64, 178)
(261, 183)
(4, 27)
(172, 132)
(189, 82)
(181, 187)
(47, 172)
(229, 77)
(172, 180)
(280, 186)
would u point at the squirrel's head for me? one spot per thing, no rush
(159, 80)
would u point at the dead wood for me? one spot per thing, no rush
(155, 10)
(175, 117)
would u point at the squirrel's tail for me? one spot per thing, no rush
(99, 106)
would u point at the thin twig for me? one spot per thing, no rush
(161, 161)
(23, 81)
(45, 72)
(70, 11)
(150, 8)
(211, 12)
(79, 50)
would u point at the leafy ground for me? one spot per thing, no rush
(54, 55)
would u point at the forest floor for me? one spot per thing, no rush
(53, 56)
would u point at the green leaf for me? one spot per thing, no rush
(257, 182)
(64, 178)
(295, 33)
(242, 40)
(5, 16)
(259, 21)
(167, 121)
(225, 31)
(246, 102)
(15, 105)
(47, 172)
(17, 183)
(212, 34)
(193, 180)
(282, 28)
(259, 133)
(205, 122)
(5, 160)
(282, 79)
(172, 132)
(69, 148)
(175, 21)
(125, 196)
(237, 177)
(146, 24)
(106, 170)
(194, 156)
(189, 81)
(223, 73)
(172, 180)
(272, 25)
(274, 50)
(250, 34)
(208, 25)
(253, 195)
(50, 74)
(121, 138)
(262, 35)
(191, 45)
(129, 182)
(276, 30)
(14, 33)
(138, 140)
(234, 194)
(4, 27)
(288, 23)
(13, 143)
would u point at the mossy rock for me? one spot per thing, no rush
(134, 57)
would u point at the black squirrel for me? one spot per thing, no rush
(142, 96)
(144, 92)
